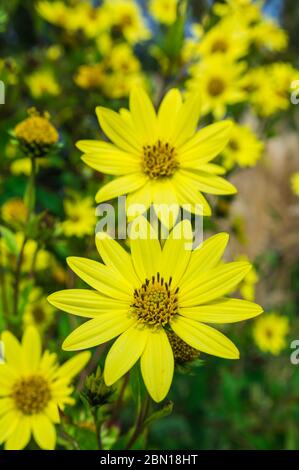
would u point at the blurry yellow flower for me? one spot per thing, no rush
(22, 166)
(90, 76)
(295, 183)
(54, 52)
(33, 387)
(245, 12)
(267, 34)
(269, 87)
(122, 59)
(125, 17)
(80, 219)
(138, 297)
(159, 158)
(219, 82)
(116, 87)
(14, 212)
(164, 11)
(35, 134)
(59, 274)
(224, 38)
(270, 331)
(182, 352)
(42, 83)
(38, 312)
(55, 12)
(89, 19)
(33, 255)
(247, 286)
(244, 148)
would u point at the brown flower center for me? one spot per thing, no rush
(220, 45)
(159, 160)
(155, 303)
(216, 87)
(31, 394)
(182, 352)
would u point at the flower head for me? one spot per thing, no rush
(295, 183)
(244, 148)
(32, 390)
(14, 211)
(80, 217)
(159, 158)
(270, 331)
(164, 11)
(141, 297)
(36, 135)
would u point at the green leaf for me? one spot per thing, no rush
(9, 238)
(166, 410)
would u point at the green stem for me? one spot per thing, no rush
(139, 428)
(98, 424)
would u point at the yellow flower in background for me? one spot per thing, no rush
(268, 34)
(270, 332)
(122, 59)
(245, 12)
(90, 76)
(220, 83)
(34, 255)
(295, 183)
(125, 18)
(55, 12)
(244, 148)
(247, 286)
(158, 158)
(269, 87)
(33, 387)
(14, 211)
(139, 297)
(22, 166)
(43, 83)
(80, 217)
(38, 312)
(164, 11)
(226, 38)
(54, 52)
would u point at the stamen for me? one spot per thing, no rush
(159, 160)
(31, 394)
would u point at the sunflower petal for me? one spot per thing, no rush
(44, 432)
(143, 115)
(204, 338)
(97, 331)
(157, 364)
(124, 353)
(168, 113)
(8, 423)
(209, 183)
(120, 186)
(74, 365)
(186, 120)
(189, 196)
(106, 158)
(32, 348)
(19, 439)
(13, 351)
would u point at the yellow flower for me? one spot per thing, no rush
(42, 83)
(32, 389)
(33, 255)
(164, 11)
(38, 312)
(80, 219)
(245, 12)
(14, 211)
(54, 52)
(244, 148)
(126, 19)
(220, 83)
(139, 297)
(270, 331)
(267, 34)
(225, 38)
(116, 87)
(35, 134)
(90, 76)
(247, 286)
(159, 158)
(295, 183)
(54, 12)
(122, 59)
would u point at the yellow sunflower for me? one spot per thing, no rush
(32, 390)
(159, 158)
(140, 297)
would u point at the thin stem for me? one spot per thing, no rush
(139, 428)
(3, 287)
(98, 425)
(120, 398)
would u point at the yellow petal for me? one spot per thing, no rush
(168, 113)
(177, 252)
(100, 277)
(119, 130)
(223, 311)
(86, 303)
(212, 284)
(165, 202)
(44, 432)
(213, 168)
(19, 439)
(7, 377)
(13, 351)
(139, 201)
(6, 404)
(124, 353)
(115, 257)
(146, 251)
(97, 331)
(187, 120)
(8, 424)
(120, 186)
(189, 197)
(106, 158)
(52, 412)
(209, 183)
(143, 115)
(157, 364)
(205, 145)
(32, 348)
(74, 365)
(204, 338)
(205, 257)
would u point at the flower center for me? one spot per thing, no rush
(159, 160)
(182, 352)
(155, 303)
(219, 46)
(216, 86)
(31, 394)
(233, 145)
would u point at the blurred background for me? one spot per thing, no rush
(64, 59)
